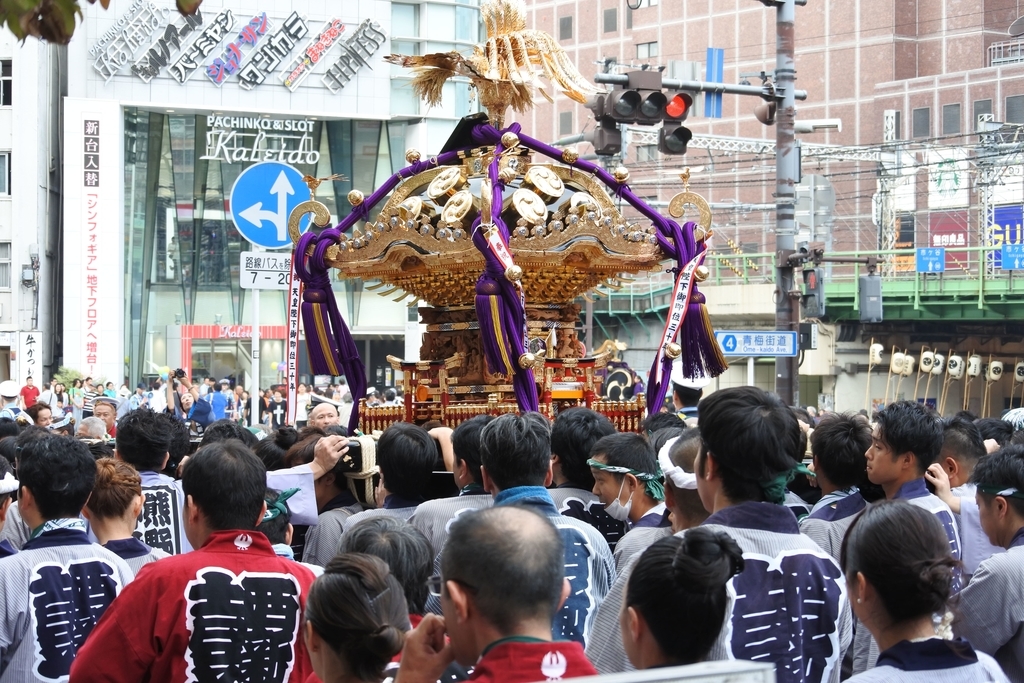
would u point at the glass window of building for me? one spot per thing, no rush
(981, 107)
(183, 248)
(611, 20)
(646, 50)
(565, 28)
(5, 265)
(951, 119)
(646, 153)
(405, 27)
(564, 122)
(1015, 109)
(5, 172)
(6, 83)
(922, 122)
(467, 24)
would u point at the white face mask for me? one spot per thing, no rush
(615, 509)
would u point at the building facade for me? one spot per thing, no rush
(33, 76)
(164, 116)
(928, 67)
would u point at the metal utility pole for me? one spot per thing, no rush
(787, 170)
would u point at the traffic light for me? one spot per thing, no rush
(606, 136)
(673, 137)
(814, 293)
(869, 293)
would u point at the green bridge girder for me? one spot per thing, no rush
(971, 290)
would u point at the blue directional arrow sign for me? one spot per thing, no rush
(1013, 257)
(931, 260)
(757, 342)
(262, 199)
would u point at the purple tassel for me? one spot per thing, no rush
(702, 356)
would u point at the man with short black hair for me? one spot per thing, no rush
(626, 463)
(433, 517)
(498, 604)
(405, 456)
(89, 394)
(335, 504)
(906, 439)
(60, 583)
(231, 606)
(748, 437)
(145, 440)
(573, 433)
(963, 446)
(515, 454)
(838, 445)
(990, 608)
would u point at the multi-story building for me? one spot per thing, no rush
(165, 114)
(33, 76)
(930, 69)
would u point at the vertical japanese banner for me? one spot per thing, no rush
(30, 358)
(294, 296)
(94, 251)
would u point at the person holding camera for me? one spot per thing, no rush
(186, 406)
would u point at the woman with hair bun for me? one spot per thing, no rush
(356, 619)
(113, 511)
(899, 573)
(676, 598)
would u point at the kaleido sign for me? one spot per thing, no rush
(243, 139)
(149, 41)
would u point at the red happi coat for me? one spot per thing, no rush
(513, 661)
(231, 610)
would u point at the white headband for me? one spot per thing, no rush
(679, 477)
(8, 484)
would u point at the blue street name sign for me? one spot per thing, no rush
(931, 260)
(757, 342)
(1013, 257)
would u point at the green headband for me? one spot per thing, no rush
(278, 507)
(775, 489)
(652, 482)
(1004, 491)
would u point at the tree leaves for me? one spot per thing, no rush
(53, 21)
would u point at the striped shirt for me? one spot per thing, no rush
(827, 526)
(636, 541)
(788, 606)
(435, 517)
(54, 592)
(585, 506)
(991, 610)
(89, 400)
(324, 539)
(933, 661)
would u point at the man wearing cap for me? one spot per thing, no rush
(139, 398)
(686, 391)
(105, 408)
(9, 399)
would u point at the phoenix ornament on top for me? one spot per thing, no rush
(504, 70)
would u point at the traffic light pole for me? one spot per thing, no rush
(786, 172)
(783, 93)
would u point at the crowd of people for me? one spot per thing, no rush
(514, 548)
(199, 402)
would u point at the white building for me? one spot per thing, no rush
(32, 77)
(163, 115)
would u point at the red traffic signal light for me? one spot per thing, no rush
(678, 108)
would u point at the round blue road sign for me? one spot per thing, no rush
(262, 199)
